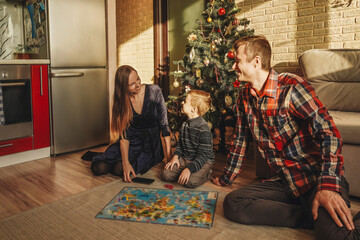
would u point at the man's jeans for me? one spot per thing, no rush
(267, 203)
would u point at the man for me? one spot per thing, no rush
(296, 135)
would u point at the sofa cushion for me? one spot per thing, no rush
(335, 75)
(348, 124)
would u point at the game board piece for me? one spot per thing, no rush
(169, 186)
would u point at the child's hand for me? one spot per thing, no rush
(184, 176)
(174, 161)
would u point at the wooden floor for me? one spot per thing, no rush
(32, 184)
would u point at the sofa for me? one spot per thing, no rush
(335, 76)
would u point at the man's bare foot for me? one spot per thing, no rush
(216, 181)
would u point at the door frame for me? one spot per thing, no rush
(161, 53)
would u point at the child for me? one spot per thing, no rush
(194, 156)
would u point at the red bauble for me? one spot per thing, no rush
(230, 54)
(221, 11)
(236, 84)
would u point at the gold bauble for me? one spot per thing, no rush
(199, 82)
(213, 47)
(209, 19)
(223, 111)
(228, 100)
(176, 83)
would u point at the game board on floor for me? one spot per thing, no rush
(163, 206)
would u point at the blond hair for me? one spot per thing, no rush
(256, 46)
(200, 100)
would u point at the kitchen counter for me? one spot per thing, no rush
(25, 61)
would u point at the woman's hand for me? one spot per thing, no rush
(174, 161)
(184, 176)
(128, 169)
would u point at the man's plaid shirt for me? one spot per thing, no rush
(293, 131)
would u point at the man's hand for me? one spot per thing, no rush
(335, 205)
(174, 161)
(216, 181)
(184, 176)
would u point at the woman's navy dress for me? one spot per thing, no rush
(143, 134)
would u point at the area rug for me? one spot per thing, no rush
(74, 218)
(162, 206)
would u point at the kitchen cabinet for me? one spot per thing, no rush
(23, 134)
(40, 105)
(16, 145)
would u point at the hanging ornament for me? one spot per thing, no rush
(198, 73)
(218, 41)
(230, 54)
(226, 58)
(192, 37)
(213, 47)
(228, 100)
(206, 61)
(210, 125)
(176, 83)
(221, 11)
(187, 88)
(209, 19)
(236, 84)
(228, 29)
(223, 111)
(212, 108)
(192, 54)
(236, 22)
(199, 82)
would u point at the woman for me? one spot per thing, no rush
(138, 116)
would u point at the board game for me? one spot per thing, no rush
(162, 206)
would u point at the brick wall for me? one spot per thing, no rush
(293, 26)
(135, 37)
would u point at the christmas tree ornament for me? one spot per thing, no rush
(236, 22)
(221, 11)
(228, 100)
(228, 29)
(206, 61)
(230, 54)
(210, 124)
(223, 111)
(187, 88)
(213, 47)
(236, 84)
(199, 82)
(192, 54)
(209, 19)
(192, 37)
(176, 83)
(198, 73)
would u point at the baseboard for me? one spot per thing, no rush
(22, 157)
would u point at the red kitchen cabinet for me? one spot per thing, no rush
(16, 145)
(40, 105)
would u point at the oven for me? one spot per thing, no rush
(15, 102)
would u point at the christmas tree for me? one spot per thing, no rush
(207, 63)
